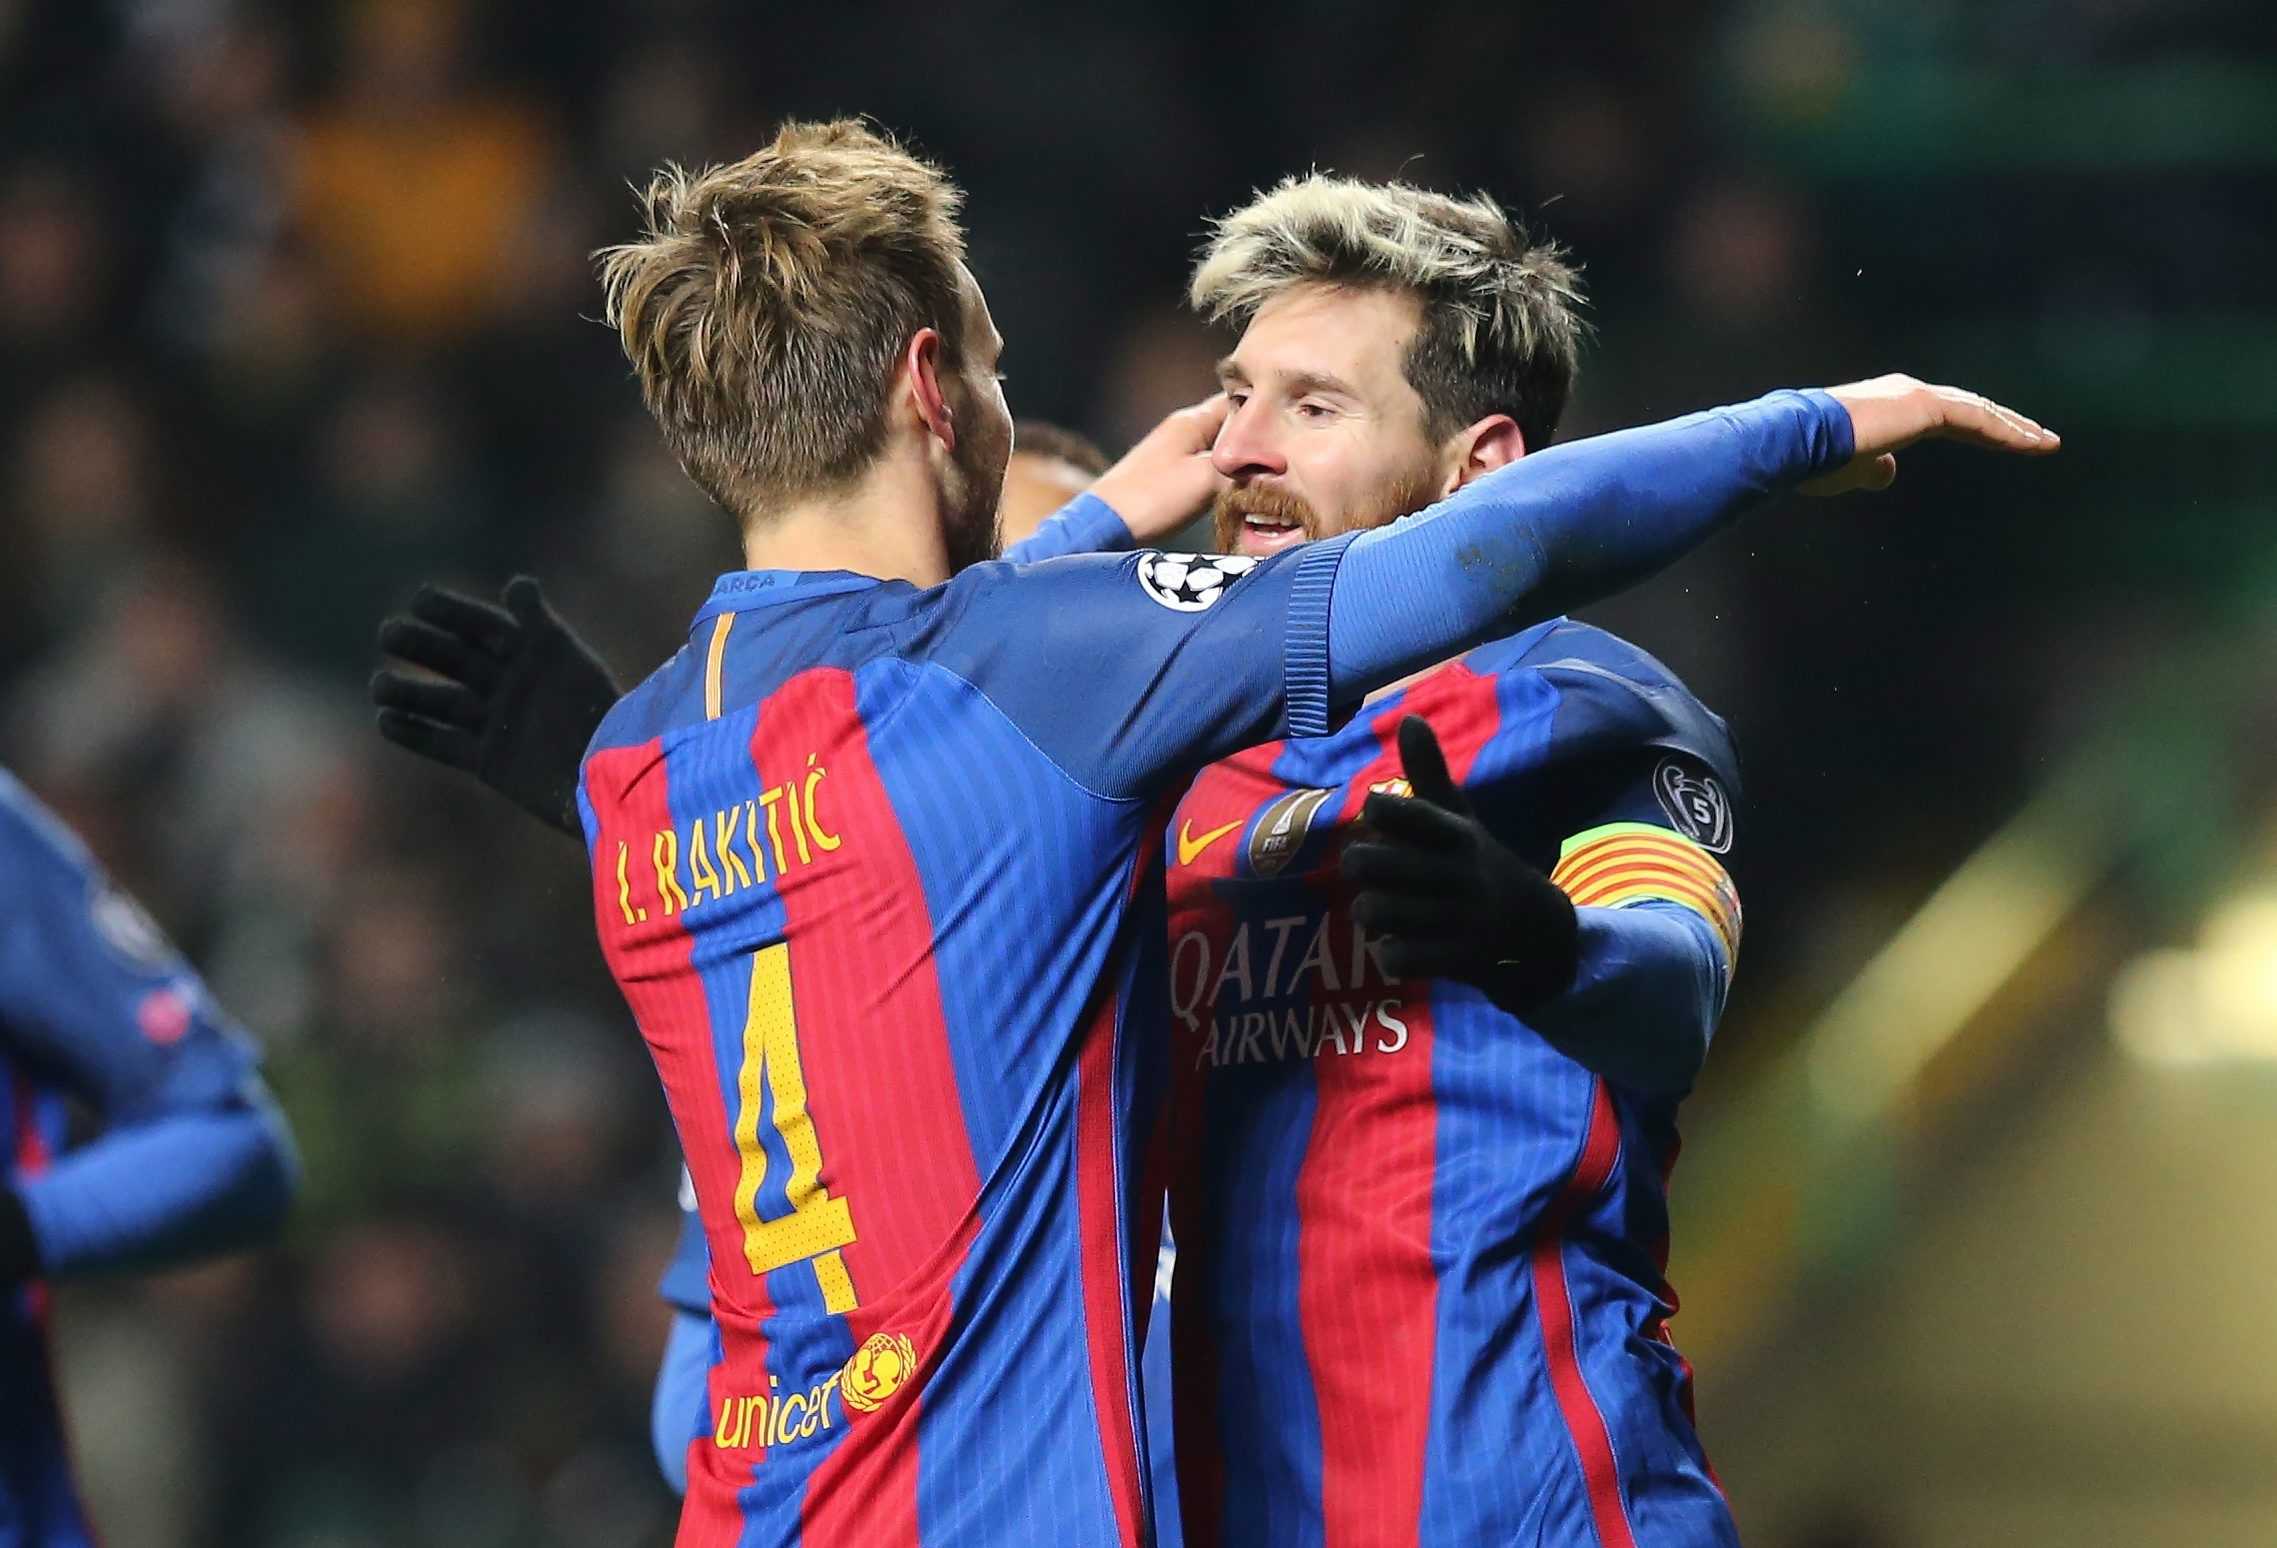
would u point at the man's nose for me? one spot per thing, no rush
(1246, 446)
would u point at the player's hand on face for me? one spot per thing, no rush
(1166, 479)
(1890, 413)
(1451, 899)
(514, 699)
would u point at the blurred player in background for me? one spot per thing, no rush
(98, 1011)
(1049, 467)
(916, 1148)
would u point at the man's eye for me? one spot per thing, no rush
(1236, 397)
(1314, 410)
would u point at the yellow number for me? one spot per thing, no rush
(818, 1224)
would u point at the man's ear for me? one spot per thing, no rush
(921, 360)
(1493, 442)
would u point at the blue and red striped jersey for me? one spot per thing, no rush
(98, 1010)
(878, 871)
(1419, 1291)
(678, 1413)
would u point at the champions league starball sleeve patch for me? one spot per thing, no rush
(1190, 583)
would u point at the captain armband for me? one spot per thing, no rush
(1635, 862)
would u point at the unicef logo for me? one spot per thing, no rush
(878, 1370)
(1189, 583)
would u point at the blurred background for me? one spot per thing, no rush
(296, 311)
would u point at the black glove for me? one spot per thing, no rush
(19, 1248)
(1451, 899)
(521, 699)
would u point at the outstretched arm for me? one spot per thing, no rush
(1188, 659)
(1578, 522)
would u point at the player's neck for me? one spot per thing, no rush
(887, 525)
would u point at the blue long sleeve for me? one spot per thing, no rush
(1554, 530)
(1085, 525)
(677, 1409)
(175, 1186)
(1646, 999)
(97, 1005)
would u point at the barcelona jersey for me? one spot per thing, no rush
(679, 1414)
(878, 869)
(1419, 1291)
(99, 1013)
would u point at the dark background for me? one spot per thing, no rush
(296, 306)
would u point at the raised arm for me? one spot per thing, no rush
(1578, 522)
(1183, 660)
(1156, 488)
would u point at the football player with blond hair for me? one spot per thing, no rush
(1438, 977)
(877, 857)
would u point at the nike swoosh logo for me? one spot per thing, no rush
(1190, 848)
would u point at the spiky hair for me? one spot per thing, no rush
(767, 301)
(1501, 325)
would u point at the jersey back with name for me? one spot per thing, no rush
(881, 882)
(1419, 1293)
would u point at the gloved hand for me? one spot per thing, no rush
(1452, 900)
(521, 697)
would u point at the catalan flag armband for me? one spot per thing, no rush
(1634, 862)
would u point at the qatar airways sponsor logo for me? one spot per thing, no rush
(1297, 987)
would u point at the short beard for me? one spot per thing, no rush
(972, 531)
(1404, 495)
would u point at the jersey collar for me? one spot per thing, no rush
(741, 591)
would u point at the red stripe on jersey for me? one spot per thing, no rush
(1194, 1393)
(1106, 1286)
(709, 1517)
(1368, 1291)
(1226, 792)
(651, 957)
(1592, 1443)
(32, 1158)
(1668, 1294)
(880, 1084)
(1117, 1254)
(1154, 1145)
(31, 1145)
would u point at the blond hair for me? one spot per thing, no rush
(1501, 322)
(767, 302)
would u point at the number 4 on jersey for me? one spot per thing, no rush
(818, 1224)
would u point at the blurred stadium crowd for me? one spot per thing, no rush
(296, 308)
